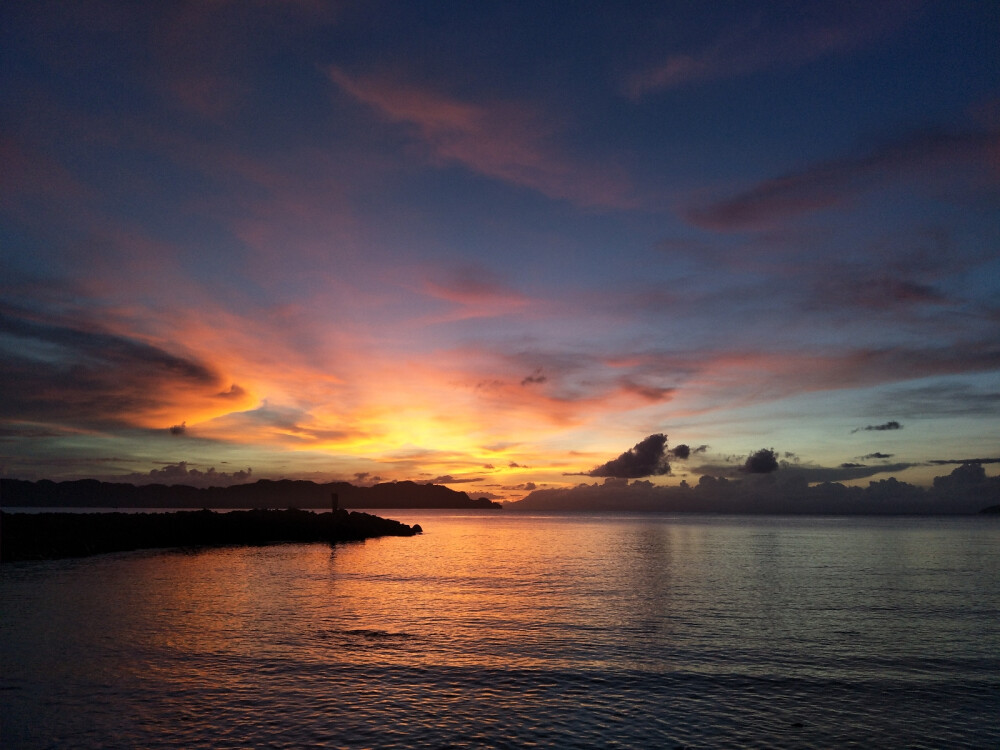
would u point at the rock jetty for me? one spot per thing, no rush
(42, 536)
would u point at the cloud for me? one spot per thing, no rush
(877, 455)
(945, 461)
(178, 429)
(710, 380)
(449, 479)
(891, 425)
(763, 461)
(941, 399)
(477, 292)
(754, 49)
(684, 452)
(965, 490)
(648, 392)
(843, 473)
(879, 293)
(829, 183)
(503, 140)
(525, 487)
(646, 458)
(276, 424)
(58, 372)
(179, 473)
(535, 377)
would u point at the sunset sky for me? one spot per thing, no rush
(496, 244)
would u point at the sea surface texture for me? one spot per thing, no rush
(496, 630)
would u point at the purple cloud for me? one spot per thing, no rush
(829, 183)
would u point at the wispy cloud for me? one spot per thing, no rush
(891, 425)
(829, 183)
(755, 48)
(474, 292)
(875, 292)
(508, 141)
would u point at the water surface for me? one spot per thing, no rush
(510, 630)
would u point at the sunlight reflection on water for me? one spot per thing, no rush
(495, 630)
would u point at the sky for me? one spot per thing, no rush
(497, 244)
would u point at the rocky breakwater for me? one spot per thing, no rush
(41, 536)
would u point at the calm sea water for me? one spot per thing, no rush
(510, 631)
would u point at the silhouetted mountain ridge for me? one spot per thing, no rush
(264, 493)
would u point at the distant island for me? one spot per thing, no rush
(966, 490)
(45, 536)
(265, 493)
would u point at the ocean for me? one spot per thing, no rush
(507, 630)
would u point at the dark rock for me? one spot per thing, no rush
(39, 536)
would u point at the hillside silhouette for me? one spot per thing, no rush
(264, 493)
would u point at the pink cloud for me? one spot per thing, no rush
(475, 293)
(503, 140)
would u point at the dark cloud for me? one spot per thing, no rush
(941, 399)
(680, 451)
(763, 461)
(63, 373)
(830, 183)
(646, 458)
(179, 429)
(525, 487)
(880, 293)
(965, 490)
(23, 432)
(809, 474)
(535, 377)
(234, 392)
(179, 473)
(843, 473)
(870, 456)
(648, 392)
(946, 461)
(449, 479)
(891, 425)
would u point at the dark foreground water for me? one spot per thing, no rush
(513, 631)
